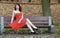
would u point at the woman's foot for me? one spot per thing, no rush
(33, 32)
(36, 30)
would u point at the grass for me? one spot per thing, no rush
(7, 29)
(56, 29)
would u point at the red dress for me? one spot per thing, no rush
(15, 24)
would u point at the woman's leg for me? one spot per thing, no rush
(28, 25)
(31, 23)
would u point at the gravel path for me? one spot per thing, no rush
(27, 36)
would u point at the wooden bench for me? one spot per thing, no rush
(41, 21)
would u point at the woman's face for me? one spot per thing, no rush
(17, 7)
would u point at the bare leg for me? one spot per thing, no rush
(28, 25)
(31, 23)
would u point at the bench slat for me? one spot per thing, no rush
(36, 26)
(37, 17)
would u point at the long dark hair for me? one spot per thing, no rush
(20, 9)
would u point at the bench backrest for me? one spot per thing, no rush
(34, 19)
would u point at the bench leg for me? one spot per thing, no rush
(2, 29)
(51, 29)
(2, 25)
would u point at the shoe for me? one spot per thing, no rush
(33, 32)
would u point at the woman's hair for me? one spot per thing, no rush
(20, 9)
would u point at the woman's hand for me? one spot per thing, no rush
(20, 20)
(11, 21)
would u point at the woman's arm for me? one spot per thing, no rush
(12, 17)
(21, 18)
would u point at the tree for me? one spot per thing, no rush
(46, 7)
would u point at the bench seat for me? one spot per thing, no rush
(41, 21)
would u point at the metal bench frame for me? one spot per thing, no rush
(50, 28)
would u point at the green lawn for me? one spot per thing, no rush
(56, 29)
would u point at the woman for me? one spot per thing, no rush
(20, 21)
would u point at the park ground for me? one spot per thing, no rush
(56, 34)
